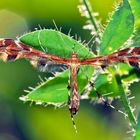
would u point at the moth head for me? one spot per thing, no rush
(6, 42)
(2, 43)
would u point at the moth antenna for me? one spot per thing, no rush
(58, 30)
(74, 124)
(90, 40)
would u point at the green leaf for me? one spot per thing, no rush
(132, 77)
(55, 42)
(128, 73)
(126, 103)
(106, 85)
(135, 4)
(54, 90)
(118, 30)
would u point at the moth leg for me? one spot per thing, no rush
(107, 103)
(69, 89)
(89, 86)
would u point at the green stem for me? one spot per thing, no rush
(126, 103)
(90, 14)
(137, 135)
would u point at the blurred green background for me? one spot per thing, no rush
(19, 121)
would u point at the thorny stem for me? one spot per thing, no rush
(126, 103)
(90, 15)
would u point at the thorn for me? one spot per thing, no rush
(69, 32)
(130, 98)
(131, 131)
(62, 68)
(31, 103)
(39, 26)
(31, 88)
(40, 78)
(76, 37)
(27, 91)
(55, 25)
(111, 93)
(38, 103)
(36, 29)
(38, 84)
(45, 78)
(23, 98)
(79, 39)
(60, 29)
(83, 41)
(53, 73)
